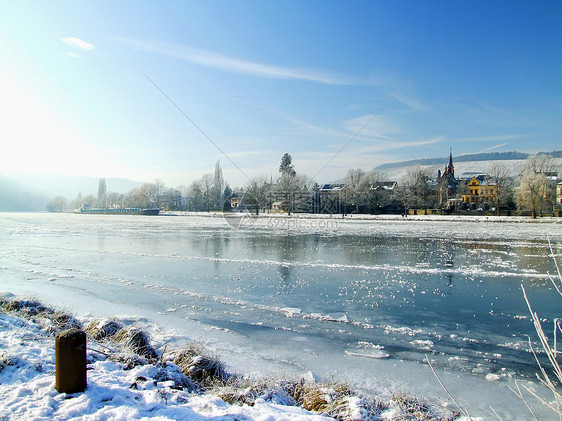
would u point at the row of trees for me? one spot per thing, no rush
(210, 192)
(361, 192)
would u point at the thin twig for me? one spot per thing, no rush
(519, 394)
(495, 413)
(543, 401)
(105, 354)
(554, 258)
(464, 411)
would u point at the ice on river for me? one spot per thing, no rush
(362, 300)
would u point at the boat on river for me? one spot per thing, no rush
(118, 211)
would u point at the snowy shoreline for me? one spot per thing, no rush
(366, 217)
(129, 387)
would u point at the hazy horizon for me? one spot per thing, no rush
(164, 90)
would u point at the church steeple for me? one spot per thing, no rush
(451, 167)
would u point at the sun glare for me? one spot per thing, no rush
(36, 138)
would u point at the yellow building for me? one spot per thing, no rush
(480, 191)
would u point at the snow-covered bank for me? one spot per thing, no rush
(124, 389)
(367, 217)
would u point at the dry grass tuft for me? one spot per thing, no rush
(320, 397)
(337, 400)
(62, 321)
(137, 341)
(26, 308)
(205, 371)
(7, 361)
(103, 329)
(30, 309)
(127, 360)
(414, 409)
(245, 391)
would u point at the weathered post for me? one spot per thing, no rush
(70, 361)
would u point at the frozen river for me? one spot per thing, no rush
(362, 300)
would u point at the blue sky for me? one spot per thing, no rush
(164, 89)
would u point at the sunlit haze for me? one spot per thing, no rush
(147, 90)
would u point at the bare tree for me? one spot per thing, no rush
(159, 190)
(414, 188)
(172, 199)
(498, 176)
(58, 204)
(294, 192)
(257, 193)
(195, 195)
(534, 189)
(207, 190)
(352, 190)
(371, 192)
(147, 195)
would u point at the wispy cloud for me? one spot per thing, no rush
(78, 43)
(322, 130)
(411, 102)
(491, 148)
(380, 127)
(388, 146)
(72, 54)
(489, 138)
(237, 65)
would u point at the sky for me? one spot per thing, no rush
(163, 90)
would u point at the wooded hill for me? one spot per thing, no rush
(477, 157)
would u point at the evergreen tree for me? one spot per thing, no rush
(102, 190)
(286, 166)
(218, 187)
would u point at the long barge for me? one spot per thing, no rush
(119, 211)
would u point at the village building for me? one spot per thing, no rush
(480, 191)
(236, 199)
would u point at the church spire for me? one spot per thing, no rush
(451, 167)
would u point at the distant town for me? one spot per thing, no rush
(535, 191)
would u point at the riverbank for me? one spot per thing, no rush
(366, 217)
(126, 381)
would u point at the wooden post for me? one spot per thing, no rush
(70, 361)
